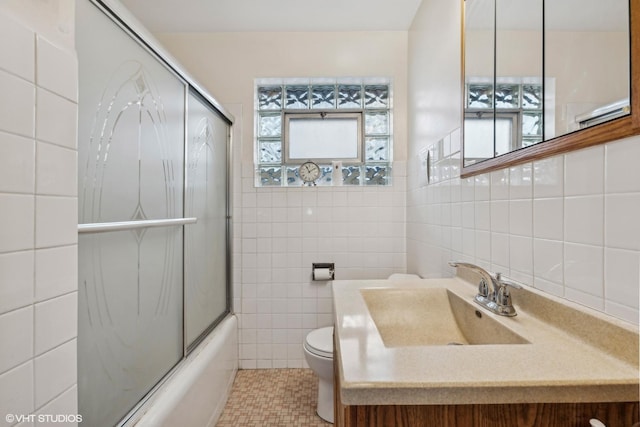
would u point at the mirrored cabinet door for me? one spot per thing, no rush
(536, 71)
(587, 58)
(479, 106)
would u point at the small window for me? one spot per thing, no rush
(479, 130)
(323, 137)
(517, 106)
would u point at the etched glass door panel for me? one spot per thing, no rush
(205, 198)
(130, 168)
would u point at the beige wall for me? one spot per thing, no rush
(227, 64)
(434, 73)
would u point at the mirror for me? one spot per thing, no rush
(544, 77)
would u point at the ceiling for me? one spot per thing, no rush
(273, 15)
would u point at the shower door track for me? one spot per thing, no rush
(102, 227)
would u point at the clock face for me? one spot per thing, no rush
(309, 172)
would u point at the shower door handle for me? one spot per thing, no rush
(102, 227)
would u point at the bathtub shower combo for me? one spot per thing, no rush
(154, 272)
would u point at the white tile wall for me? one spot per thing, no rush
(281, 232)
(16, 277)
(38, 223)
(17, 155)
(17, 105)
(18, 56)
(568, 225)
(16, 391)
(16, 328)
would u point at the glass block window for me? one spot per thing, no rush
(350, 96)
(276, 98)
(524, 99)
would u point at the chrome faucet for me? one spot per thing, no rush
(493, 292)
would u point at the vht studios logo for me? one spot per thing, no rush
(43, 418)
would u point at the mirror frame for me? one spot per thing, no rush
(600, 134)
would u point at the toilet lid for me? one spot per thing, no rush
(320, 341)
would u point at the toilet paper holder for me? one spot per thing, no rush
(323, 267)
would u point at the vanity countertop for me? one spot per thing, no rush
(575, 355)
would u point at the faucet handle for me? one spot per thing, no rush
(503, 296)
(483, 288)
(504, 282)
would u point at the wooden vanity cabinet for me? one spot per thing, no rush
(623, 414)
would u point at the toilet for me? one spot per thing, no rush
(318, 352)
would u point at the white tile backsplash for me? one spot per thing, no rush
(548, 177)
(621, 167)
(468, 214)
(500, 252)
(548, 217)
(548, 260)
(584, 219)
(521, 256)
(500, 185)
(499, 216)
(482, 187)
(548, 286)
(584, 172)
(584, 268)
(622, 221)
(584, 298)
(521, 182)
(482, 216)
(572, 223)
(521, 217)
(483, 246)
(37, 287)
(622, 277)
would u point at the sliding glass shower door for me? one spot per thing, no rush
(153, 214)
(205, 241)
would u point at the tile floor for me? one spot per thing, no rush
(272, 398)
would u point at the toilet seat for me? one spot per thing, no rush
(320, 342)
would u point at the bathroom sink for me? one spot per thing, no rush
(432, 317)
